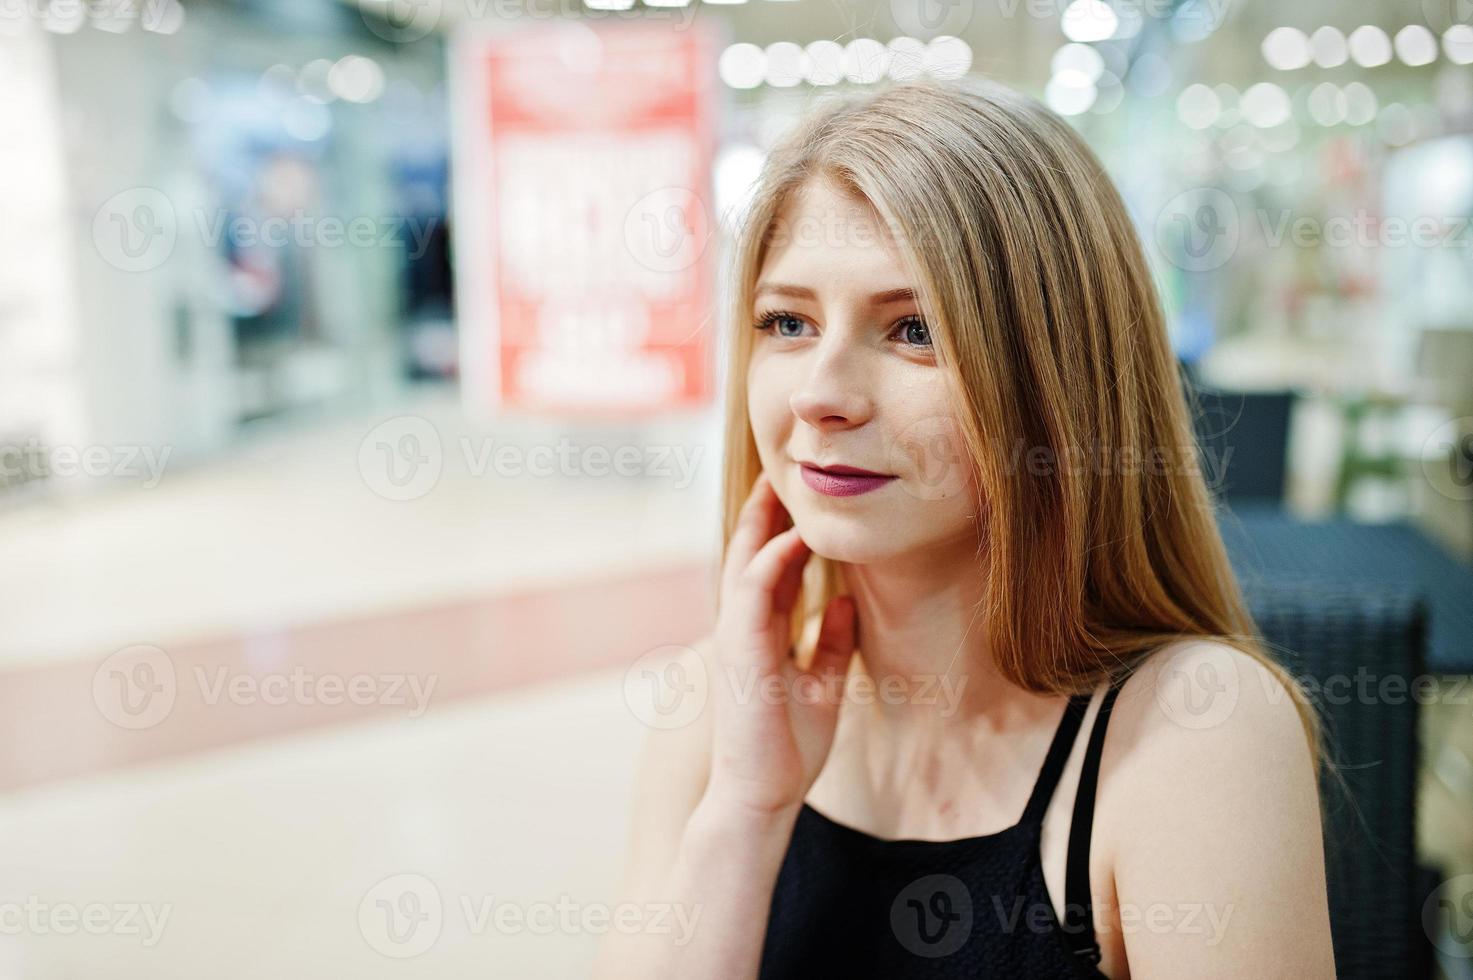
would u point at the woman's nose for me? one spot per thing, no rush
(834, 389)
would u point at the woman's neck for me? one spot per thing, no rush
(924, 663)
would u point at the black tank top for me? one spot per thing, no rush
(849, 904)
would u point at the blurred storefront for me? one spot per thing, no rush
(235, 225)
(256, 229)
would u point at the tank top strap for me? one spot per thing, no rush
(1078, 904)
(1058, 755)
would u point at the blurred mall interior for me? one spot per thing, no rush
(360, 419)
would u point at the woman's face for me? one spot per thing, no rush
(843, 374)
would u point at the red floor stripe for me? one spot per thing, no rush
(116, 709)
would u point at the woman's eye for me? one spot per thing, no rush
(915, 332)
(912, 330)
(783, 324)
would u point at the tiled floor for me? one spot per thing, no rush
(301, 529)
(257, 860)
(253, 821)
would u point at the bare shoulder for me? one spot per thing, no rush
(1196, 694)
(1212, 805)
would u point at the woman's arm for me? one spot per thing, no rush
(741, 776)
(701, 866)
(1219, 857)
(725, 869)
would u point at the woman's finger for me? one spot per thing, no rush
(755, 525)
(837, 637)
(790, 580)
(760, 580)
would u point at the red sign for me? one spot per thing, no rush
(584, 198)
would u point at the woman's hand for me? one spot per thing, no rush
(774, 722)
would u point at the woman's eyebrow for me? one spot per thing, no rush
(902, 295)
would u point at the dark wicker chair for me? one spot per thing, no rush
(1321, 630)
(1243, 439)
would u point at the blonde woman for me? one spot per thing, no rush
(985, 700)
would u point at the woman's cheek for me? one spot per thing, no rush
(931, 457)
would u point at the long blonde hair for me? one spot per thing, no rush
(1044, 314)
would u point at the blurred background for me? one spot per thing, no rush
(360, 391)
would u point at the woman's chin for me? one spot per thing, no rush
(855, 545)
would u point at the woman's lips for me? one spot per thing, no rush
(841, 484)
